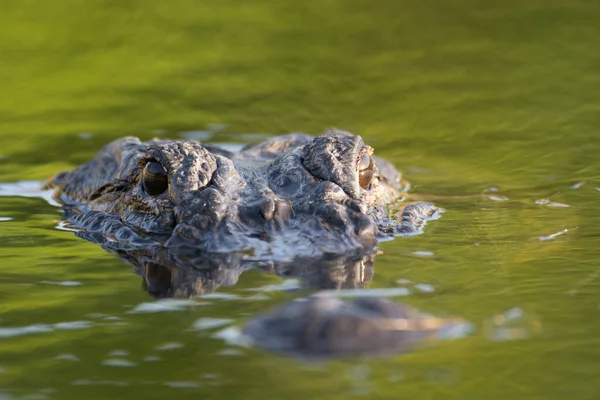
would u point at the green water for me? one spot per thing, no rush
(461, 95)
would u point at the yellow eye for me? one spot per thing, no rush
(365, 171)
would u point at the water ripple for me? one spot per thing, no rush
(210, 323)
(67, 356)
(169, 346)
(182, 384)
(423, 253)
(27, 189)
(547, 202)
(498, 198)
(553, 236)
(164, 305)
(118, 362)
(379, 292)
(577, 185)
(43, 328)
(63, 283)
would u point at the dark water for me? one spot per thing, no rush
(466, 97)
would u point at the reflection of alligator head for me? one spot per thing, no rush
(292, 195)
(314, 327)
(181, 272)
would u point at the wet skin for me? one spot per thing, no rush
(292, 195)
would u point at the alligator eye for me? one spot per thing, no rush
(365, 171)
(154, 178)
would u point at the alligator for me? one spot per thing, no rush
(191, 217)
(290, 196)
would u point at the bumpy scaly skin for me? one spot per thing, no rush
(292, 195)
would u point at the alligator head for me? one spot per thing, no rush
(292, 195)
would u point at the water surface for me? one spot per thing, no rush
(492, 106)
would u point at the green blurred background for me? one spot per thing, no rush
(461, 95)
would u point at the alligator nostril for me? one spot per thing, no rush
(366, 228)
(267, 208)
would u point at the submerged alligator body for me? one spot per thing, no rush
(192, 217)
(292, 195)
(328, 326)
